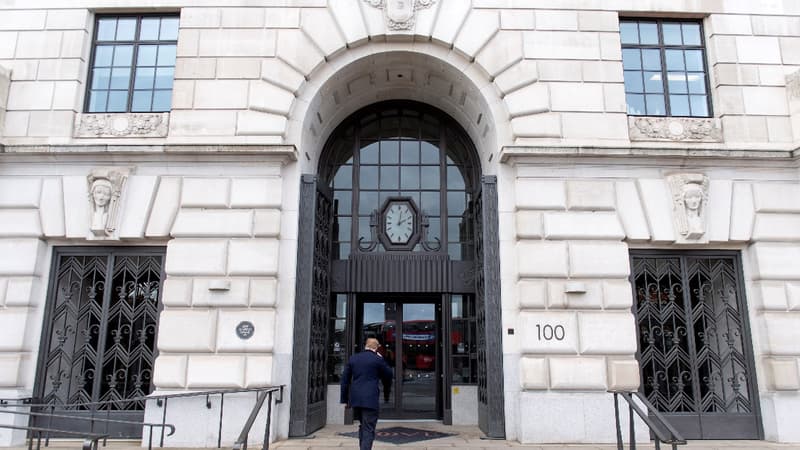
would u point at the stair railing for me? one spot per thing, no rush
(659, 426)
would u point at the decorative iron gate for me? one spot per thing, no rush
(695, 352)
(491, 409)
(99, 339)
(309, 371)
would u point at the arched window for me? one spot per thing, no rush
(401, 149)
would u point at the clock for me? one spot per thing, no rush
(399, 224)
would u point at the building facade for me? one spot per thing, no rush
(546, 201)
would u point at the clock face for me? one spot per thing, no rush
(399, 223)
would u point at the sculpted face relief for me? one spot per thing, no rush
(105, 188)
(690, 194)
(101, 193)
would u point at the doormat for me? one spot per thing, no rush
(402, 435)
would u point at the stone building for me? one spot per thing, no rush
(544, 200)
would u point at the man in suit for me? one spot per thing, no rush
(361, 389)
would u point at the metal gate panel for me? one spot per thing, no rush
(98, 342)
(309, 359)
(694, 346)
(491, 409)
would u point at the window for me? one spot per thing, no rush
(664, 65)
(401, 149)
(133, 64)
(463, 340)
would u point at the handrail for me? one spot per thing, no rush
(161, 400)
(91, 420)
(89, 440)
(657, 426)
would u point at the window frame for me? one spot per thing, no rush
(136, 42)
(662, 47)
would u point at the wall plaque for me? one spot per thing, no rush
(245, 330)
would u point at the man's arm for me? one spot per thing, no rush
(386, 372)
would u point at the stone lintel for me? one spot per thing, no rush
(534, 153)
(283, 152)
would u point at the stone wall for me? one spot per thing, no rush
(223, 229)
(243, 74)
(543, 81)
(574, 228)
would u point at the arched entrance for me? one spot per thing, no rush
(398, 240)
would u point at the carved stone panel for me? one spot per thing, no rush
(674, 129)
(400, 14)
(105, 186)
(689, 203)
(121, 125)
(793, 85)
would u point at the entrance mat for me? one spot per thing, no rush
(402, 435)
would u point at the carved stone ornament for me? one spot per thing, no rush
(676, 129)
(121, 125)
(400, 14)
(105, 189)
(793, 85)
(689, 202)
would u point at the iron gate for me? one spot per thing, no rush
(99, 337)
(491, 409)
(309, 371)
(695, 352)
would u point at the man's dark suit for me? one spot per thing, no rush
(361, 390)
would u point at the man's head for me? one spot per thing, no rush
(372, 344)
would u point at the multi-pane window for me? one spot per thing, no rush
(133, 63)
(665, 68)
(337, 345)
(463, 340)
(409, 152)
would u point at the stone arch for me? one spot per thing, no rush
(476, 62)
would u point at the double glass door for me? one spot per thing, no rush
(409, 332)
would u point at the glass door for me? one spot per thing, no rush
(410, 337)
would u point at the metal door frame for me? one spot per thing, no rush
(442, 383)
(47, 321)
(747, 342)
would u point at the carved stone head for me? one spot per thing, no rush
(105, 188)
(689, 198)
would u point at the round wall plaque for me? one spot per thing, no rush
(245, 330)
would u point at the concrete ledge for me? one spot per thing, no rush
(695, 152)
(287, 151)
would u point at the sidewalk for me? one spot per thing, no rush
(466, 438)
(469, 438)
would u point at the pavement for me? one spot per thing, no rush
(469, 438)
(465, 438)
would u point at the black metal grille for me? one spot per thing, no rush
(317, 383)
(693, 342)
(480, 301)
(99, 344)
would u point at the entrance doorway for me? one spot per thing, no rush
(398, 237)
(410, 334)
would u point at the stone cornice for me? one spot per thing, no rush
(512, 154)
(280, 153)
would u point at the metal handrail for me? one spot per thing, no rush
(160, 399)
(241, 442)
(657, 423)
(89, 440)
